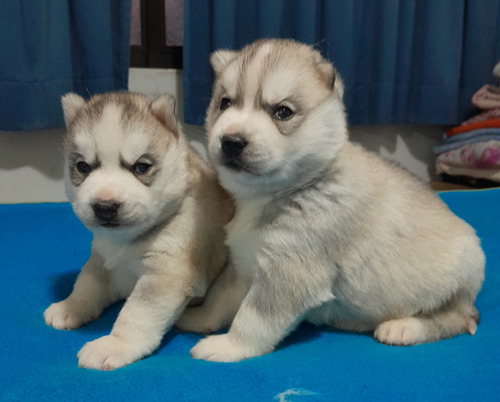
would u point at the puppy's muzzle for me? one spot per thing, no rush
(107, 213)
(232, 145)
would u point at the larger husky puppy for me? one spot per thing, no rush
(157, 214)
(324, 231)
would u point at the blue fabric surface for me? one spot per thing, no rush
(49, 48)
(402, 61)
(42, 247)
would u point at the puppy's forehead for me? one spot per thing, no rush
(272, 71)
(97, 131)
(229, 80)
(111, 131)
(243, 72)
(135, 145)
(292, 70)
(281, 84)
(108, 129)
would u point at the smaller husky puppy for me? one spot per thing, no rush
(324, 231)
(157, 215)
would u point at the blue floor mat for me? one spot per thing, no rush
(43, 246)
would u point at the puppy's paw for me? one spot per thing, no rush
(68, 314)
(221, 348)
(401, 332)
(108, 353)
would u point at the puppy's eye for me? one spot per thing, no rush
(225, 103)
(283, 113)
(141, 167)
(83, 167)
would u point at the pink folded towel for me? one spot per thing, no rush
(488, 97)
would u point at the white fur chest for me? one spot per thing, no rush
(123, 260)
(244, 236)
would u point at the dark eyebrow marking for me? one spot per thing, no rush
(148, 178)
(76, 177)
(147, 156)
(75, 157)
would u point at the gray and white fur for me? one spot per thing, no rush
(324, 231)
(157, 214)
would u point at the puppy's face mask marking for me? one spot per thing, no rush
(116, 161)
(264, 123)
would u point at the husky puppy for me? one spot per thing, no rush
(324, 231)
(157, 215)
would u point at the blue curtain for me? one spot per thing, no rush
(402, 61)
(48, 48)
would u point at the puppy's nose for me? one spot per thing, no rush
(232, 144)
(106, 210)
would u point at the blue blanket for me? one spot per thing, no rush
(43, 246)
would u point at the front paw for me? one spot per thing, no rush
(108, 353)
(68, 314)
(221, 348)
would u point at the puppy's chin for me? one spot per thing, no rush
(242, 166)
(239, 166)
(118, 233)
(235, 165)
(250, 181)
(111, 226)
(94, 225)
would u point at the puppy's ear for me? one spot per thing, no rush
(329, 73)
(331, 76)
(221, 59)
(163, 109)
(71, 103)
(338, 86)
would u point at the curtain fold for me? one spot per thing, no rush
(402, 61)
(49, 48)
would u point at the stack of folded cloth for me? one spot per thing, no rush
(473, 148)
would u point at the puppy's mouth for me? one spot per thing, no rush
(252, 169)
(110, 225)
(235, 164)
